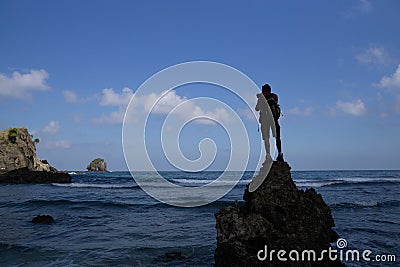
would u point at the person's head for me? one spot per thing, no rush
(266, 89)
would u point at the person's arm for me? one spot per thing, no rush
(275, 96)
(258, 103)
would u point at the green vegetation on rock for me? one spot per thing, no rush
(12, 135)
(97, 165)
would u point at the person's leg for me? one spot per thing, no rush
(278, 141)
(265, 130)
(267, 148)
(278, 136)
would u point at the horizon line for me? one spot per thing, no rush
(298, 170)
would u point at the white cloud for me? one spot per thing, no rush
(21, 86)
(397, 104)
(115, 117)
(56, 144)
(373, 55)
(383, 115)
(220, 114)
(247, 113)
(143, 104)
(71, 97)
(52, 127)
(168, 101)
(362, 7)
(355, 108)
(391, 81)
(111, 98)
(301, 111)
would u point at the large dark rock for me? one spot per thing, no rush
(26, 176)
(276, 215)
(43, 219)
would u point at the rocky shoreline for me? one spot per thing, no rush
(26, 176)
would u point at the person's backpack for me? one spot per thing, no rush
(274, 106)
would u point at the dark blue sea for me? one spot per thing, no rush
(105, 219)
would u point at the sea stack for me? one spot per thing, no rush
(19, 162)
(97, 165)
(277, 216)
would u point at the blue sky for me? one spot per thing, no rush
(67, 68)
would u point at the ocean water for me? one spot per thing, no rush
(105, 219)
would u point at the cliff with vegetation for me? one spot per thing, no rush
(19, 162)
(17, 150)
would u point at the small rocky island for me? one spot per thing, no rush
(97, 165)
(19, 162)
(277, 216)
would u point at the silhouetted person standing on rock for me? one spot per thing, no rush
(270, 99)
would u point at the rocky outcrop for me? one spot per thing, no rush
(97, 165)
(26, 176)
(19, 163)
(277, 216)
(17, 150)
(43, 219)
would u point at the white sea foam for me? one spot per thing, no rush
(203, 181)
(337, 181)
(299, 182)
(315, 184)
(368, 180)
(105, 186)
